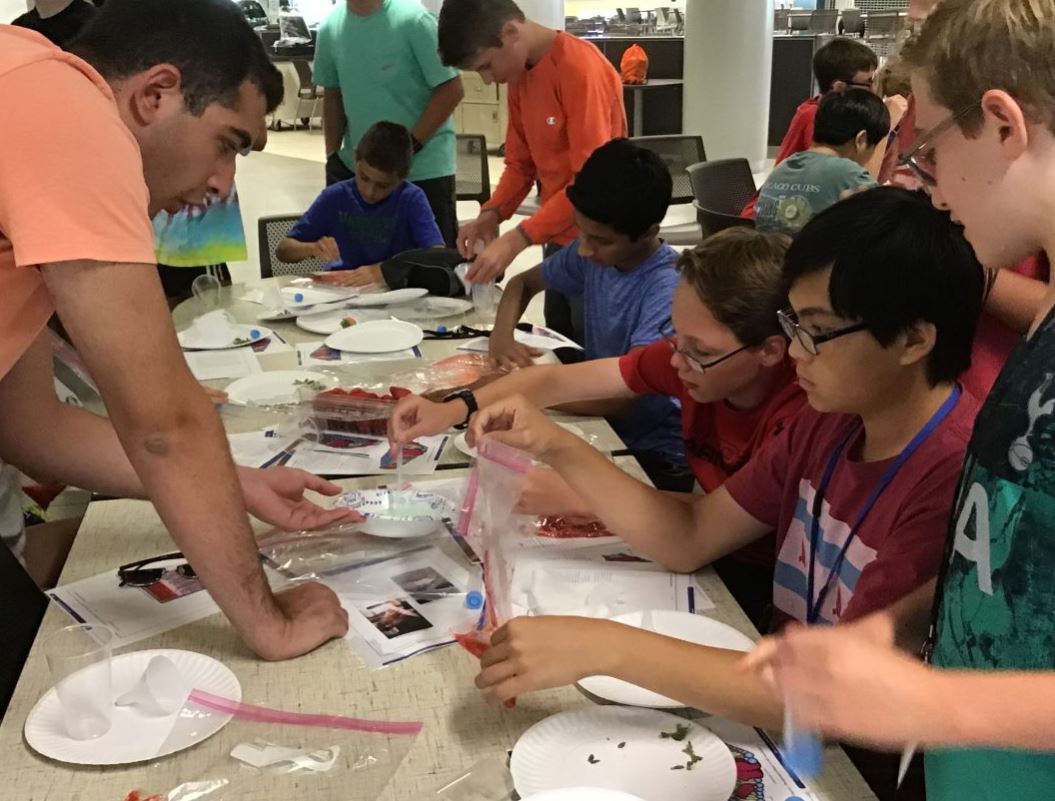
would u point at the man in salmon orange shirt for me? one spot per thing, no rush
(147, 112)
(565, 101)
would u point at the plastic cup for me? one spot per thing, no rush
(79, 658)
(485, 301)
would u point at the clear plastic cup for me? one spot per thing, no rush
(79, 658)
(485, 301)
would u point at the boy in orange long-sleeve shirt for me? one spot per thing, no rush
(565, 101)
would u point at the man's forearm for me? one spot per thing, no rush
(445, 98)
(333, 120)
(515, 299)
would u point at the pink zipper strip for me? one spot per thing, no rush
(262, 714)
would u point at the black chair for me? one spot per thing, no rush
(270, 232)
(721, 189)
(24, 606)
(472, 175)
(677, 152)
(852, 23)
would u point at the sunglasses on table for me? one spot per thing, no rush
(810, 342)
(141, 574)
(920, 159)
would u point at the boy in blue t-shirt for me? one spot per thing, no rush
(626, 277)
(359, 223)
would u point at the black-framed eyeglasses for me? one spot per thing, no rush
(811, 343)
(920, 159)
(869, 85)
(140, 574)
(666, 331)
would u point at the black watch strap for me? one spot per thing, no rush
(417, 144)
(469, 398)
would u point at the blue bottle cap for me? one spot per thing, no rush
(442, 329)
(474, 599)
(298, 297)
(254, 334)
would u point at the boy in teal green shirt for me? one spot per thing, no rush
(377, 60)
(984, 713)
(846, 131)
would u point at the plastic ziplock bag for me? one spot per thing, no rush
(264, 753)
(491, 525)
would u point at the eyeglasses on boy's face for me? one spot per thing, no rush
(920, 159)
(693, 359)
(789, 323)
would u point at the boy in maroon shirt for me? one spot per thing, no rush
(884, 298)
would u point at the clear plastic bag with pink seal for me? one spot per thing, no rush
(263, 753)
(491, 525)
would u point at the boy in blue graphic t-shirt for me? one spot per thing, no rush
(359, 223)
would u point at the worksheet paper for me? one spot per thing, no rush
(317, 354)
(210, 365)
(132, 613)
(540, 337)
(404, 605)
(337, 453)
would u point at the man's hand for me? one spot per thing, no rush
(844, 683)
(483, 229)
(536, 653)
(507, 353)
(367, 275)
(896, 106)
(515, 422)
(310, 615)
(326, 249)
(276, 496)
(546, 493)
(496, 257)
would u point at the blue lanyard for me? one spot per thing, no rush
(813, 608)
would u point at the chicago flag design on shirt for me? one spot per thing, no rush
(790, 577)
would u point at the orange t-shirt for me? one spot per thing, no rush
(561, 110)
(71, 180)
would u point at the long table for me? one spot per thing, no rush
(596, 429)
(435, 688)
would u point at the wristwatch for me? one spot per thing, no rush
(417, 144)
(469, 399)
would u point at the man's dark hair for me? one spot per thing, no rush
(387, 146)
(896, 260)
(209, 41)
(840, 60)
(843, 115)
(468, 26)
(623, 186)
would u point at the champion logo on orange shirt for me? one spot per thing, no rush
(551, 120)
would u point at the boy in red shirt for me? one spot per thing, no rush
(727, 367)
(565, 100)
(841, 64)
(884, 297)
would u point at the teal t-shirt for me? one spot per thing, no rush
(803, 185)
(997, 609)
(386, 67)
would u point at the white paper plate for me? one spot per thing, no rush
(374, 505)
(303, 297)
(329, 321)
(431, 308)
(278, 386)
(680, 625)
(376, 336)
(582, 794)
(241, 335)
(462, 444)
(393, 298)
(133, 736)
(557, 751)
